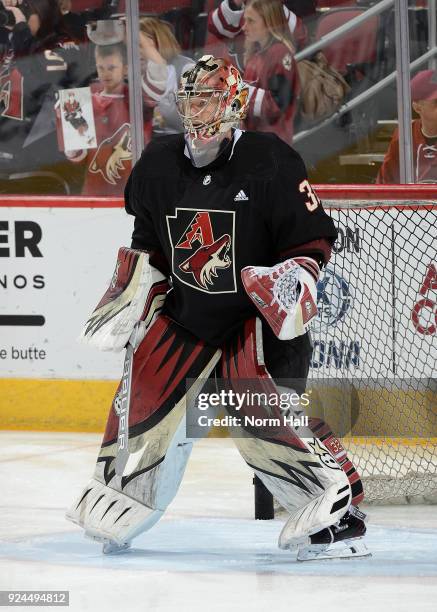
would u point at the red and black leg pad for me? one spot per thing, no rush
(242, 365)
(280, 456)
(243, 370)
(167, 358)
(145, 448)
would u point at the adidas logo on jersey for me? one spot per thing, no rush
(240, 197)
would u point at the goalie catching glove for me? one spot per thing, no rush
(285, 294)
(136, 293)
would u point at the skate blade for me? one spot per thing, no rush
(346, 549)
(112, 548)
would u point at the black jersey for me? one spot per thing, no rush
(31, 72)
(249, 207)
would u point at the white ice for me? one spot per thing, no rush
(206, 554)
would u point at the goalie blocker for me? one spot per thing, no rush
(136, 294)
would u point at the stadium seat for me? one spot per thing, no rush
(357, 47)
(358, 55)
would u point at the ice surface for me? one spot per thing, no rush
(206, 554)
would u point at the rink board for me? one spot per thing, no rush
(57, 260)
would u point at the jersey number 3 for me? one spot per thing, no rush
(314, 201)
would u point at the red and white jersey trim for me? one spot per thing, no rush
(291, 18)
(227, 22)
(154, 81)
(256, 97)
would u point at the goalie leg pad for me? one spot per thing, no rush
(338, 452)
(168, 364)
(109, 515)
(318, 428)
(318, 514)
(298, 471)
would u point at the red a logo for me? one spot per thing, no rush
(200, 229)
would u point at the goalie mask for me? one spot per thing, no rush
(211, 99)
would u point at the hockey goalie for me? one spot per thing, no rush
(219, 282)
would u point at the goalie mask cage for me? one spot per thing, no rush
(374, 357)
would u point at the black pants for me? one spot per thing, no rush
(287, 361)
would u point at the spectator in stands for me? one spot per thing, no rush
(270, 69)
(38, 58)
(225, 25)
(424, 133)
(158, 44)
(75, 23)
(108, 166)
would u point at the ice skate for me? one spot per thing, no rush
(112, 548)
(340, 541)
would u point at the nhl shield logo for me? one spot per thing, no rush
(203, 249)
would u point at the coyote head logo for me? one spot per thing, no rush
(111, 155)
(207, 260)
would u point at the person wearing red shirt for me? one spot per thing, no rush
(225, 31)
(108, 166)
(271, 70)
(424, 132)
